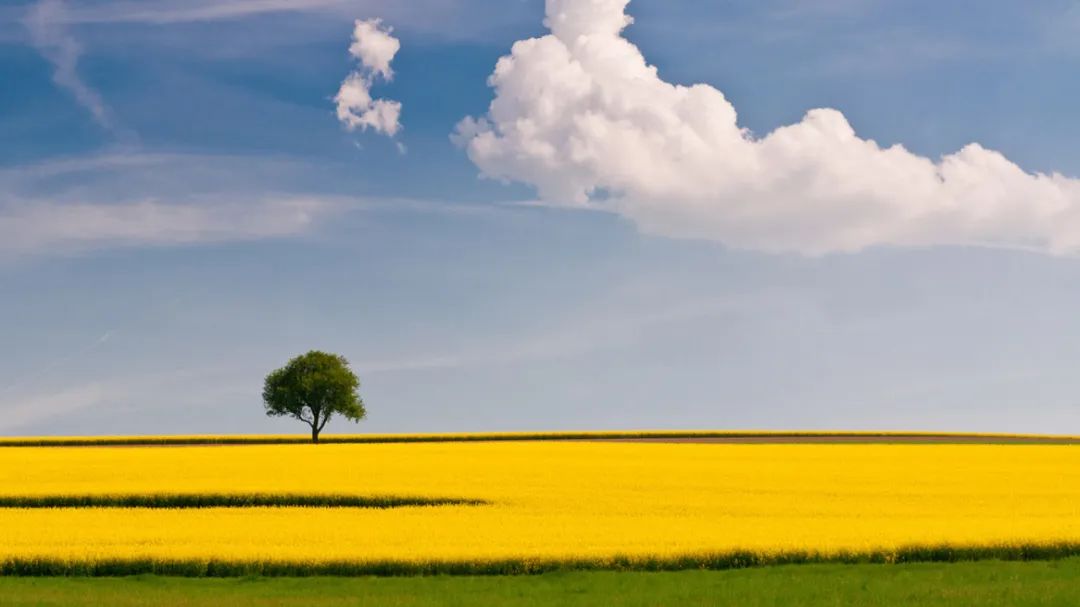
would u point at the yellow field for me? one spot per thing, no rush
(547, 501)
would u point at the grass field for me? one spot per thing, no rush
(985, 584)
(530, 506)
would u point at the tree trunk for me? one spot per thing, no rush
(314, 435)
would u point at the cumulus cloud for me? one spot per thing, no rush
(374, 48)
(581, 116)
(46, 22)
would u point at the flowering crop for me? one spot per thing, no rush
(537, 505)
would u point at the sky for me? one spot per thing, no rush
(578, 214)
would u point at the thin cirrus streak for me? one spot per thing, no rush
(46, 22)
(46, 227)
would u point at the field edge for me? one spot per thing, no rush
(631, 435)
(46, 567)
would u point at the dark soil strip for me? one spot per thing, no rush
(227, 500)
(717, 561)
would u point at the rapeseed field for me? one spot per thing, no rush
(517, 506)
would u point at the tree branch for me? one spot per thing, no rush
(323, 424)
(307, 420)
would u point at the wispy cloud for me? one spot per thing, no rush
(122, 199)
(141, 199)
(49, 227)
(166, 12)
(441, 19)
(25, 175)
(47, 23)
(163, 12)
(35, 408)
(41, 406)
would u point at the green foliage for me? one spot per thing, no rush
(313, 387)
(985, 584)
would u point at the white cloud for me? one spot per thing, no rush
(46, 22)
(356, 108)
(374, 48)
(581, 116)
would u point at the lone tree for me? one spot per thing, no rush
(313, 387)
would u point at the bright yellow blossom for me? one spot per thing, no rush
(546, 501)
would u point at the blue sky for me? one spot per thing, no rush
(199, 215)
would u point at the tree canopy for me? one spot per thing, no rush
(313, 387)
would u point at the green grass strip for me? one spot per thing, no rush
(717, 561)
(735, 436)
(982, 584)
(227, 500)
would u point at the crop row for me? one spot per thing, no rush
(227, 500)
(524, 566)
